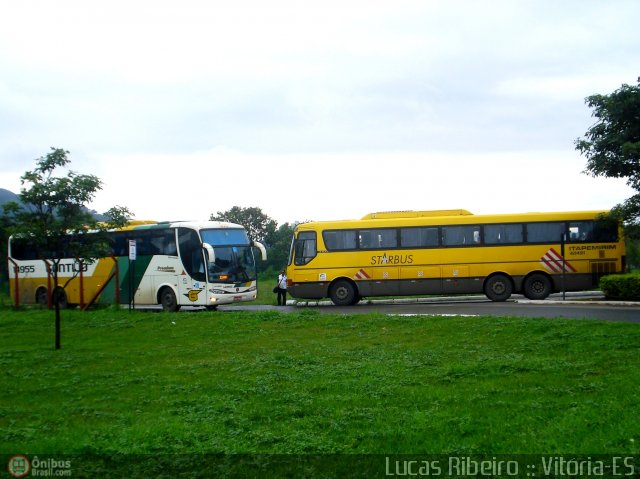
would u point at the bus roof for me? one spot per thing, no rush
(417, 218)
(149, 225)
(414, 214)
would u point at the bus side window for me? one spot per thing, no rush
(510, 233)
(366, 240)
(580, 231)
(338, 240)
(605, 230)
(550, 232)
(191, 253)
(460, 235)
(120, 244)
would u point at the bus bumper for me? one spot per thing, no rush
(309, 290)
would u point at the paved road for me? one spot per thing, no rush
(575, 307)
(510, 308)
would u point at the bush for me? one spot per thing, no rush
(622, 286)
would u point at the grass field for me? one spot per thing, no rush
(237, 382)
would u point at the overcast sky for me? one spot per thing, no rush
(315, 110)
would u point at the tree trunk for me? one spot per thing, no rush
(56, 301)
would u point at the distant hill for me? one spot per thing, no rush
(6, 196)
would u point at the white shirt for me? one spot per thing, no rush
(282, 281)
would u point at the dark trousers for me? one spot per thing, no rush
(282, 297)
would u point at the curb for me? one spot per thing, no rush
(589, 298)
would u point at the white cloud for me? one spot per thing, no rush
(329, 186)
(419, 104)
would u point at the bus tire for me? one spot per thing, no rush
(537, 286)
(498, 287)
(42, 297)
(168, 300)
(343, 293)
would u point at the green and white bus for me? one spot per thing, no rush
(176, 264)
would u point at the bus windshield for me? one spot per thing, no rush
(233, 264)
(225, 236)
(234, 257)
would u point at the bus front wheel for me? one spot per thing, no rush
(343, 293)
(537, 286)
(498, 287)
(168, 300)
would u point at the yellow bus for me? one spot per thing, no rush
(176, 264)
(453, 252)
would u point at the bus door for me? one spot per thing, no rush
(192, 282)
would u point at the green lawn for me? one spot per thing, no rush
(268, 382)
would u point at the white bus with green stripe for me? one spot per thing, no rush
(203, 264)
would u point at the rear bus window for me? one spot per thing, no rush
(580, 231)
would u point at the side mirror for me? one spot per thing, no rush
(211, 255)
(263, 250)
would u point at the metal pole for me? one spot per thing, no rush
(133, 283)
(80, 264)
(130, 283)
(132, 269)
(117, 290)
(16, 282)
(563, 239)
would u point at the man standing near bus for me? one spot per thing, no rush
(282, 289)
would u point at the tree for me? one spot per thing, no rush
(612, 144)
(258, 224)
(279, 244)
(54, 218)
(7, 221)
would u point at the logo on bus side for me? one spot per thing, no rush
(74, 267)
(581, 250)
(193, 294)
(392, 259)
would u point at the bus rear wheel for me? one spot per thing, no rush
(168, 300)
(537, 286)
(498, 287)
(42, 297)
(343, 293)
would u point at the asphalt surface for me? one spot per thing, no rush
(582, 305)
